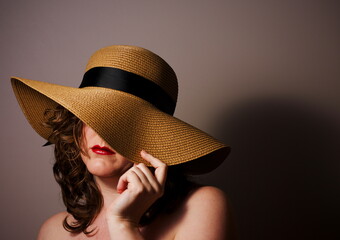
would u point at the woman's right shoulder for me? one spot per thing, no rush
(53, 228)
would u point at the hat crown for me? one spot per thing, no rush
(139, 61)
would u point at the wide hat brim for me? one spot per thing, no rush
(127, 123)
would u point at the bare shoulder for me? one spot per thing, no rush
(208, 202)
(207, 194)
(206, 216)
(53, 228)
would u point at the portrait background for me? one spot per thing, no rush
(263, 76)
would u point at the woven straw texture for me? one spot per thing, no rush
(126, 122)
(138, 61)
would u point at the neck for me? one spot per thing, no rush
(108, 189)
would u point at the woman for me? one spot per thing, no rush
(122, 159)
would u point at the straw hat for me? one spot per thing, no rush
(128, 95)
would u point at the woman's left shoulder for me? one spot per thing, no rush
(207, 199)
(207, 193)
(206, 216)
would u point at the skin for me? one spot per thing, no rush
(130, 189)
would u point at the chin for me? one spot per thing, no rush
(100, 168)
(103, 174)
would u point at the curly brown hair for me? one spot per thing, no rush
(81, 195)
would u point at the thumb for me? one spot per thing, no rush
(122, 184)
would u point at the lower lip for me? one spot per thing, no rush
(102, 151)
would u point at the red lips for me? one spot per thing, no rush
(102, 150)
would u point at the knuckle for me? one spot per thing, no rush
(161, 192)
(139, 189)
(163, 165)
(150, 190)
(134, 168)
(141, 165)
(130, 173)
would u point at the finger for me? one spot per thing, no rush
(143, 178)
(160, 167)
(150, 176)
(122, 183)
(126, 179)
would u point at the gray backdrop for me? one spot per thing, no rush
(263, 76)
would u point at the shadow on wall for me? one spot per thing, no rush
(283, 172)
